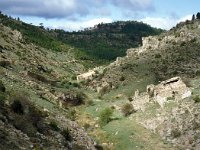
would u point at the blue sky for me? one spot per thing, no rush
(78, 14)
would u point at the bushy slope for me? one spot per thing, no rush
(32, 81)
(110, 40)
(93, 47)
(175, 53)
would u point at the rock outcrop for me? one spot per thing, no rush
(172, 89)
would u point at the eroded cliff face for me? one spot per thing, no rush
(152, 43)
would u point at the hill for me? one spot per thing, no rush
(96, 46)
(145, 85)
(110, 40)
(33, 81)
(148, 99)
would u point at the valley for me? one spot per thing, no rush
(57, 92)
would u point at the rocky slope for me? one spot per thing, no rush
(32, 81)
(174, 53)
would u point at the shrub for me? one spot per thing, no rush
(66, 134)
(196, 99)
(54, 126)
(183, 43)
(198, 15)
(127, 109)
(187, 82)
(158, 56)
(74, 97)
(73, 77)
(175, 133)
(72, 114)
(17, 107)
(90, 102)
(75, 84)
(2, 87)
(5, 63)
(130, 99)
(27, 117)
(105, 116)
(122, 78)
(198, 73)
(2, 98)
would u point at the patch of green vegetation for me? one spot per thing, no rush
(94, 47)
(54, 126)
(72, 114)
(127, 134)
(2, 87)
(27, 117)
(127, 109)
(175, 133)
(66, 134)
(110, 40)
(105, 116)
(196, 98)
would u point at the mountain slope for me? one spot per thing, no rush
(110, 40)
(125, 83)
(175, 53)
(92, 47)
(32, 82)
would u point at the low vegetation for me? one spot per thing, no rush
(196, 99)
(105, 116)
(127, 109)
(113, 39)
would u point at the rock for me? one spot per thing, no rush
(140, 101)
(17, 35)
(103, 88)
(173, 88)
(86, 76)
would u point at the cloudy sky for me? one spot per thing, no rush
(78, 14)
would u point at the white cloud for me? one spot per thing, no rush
(71, 8)
(188, 17)
(166, 22)
(80, 25)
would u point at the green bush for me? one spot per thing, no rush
(122, 78)
(2, 87)
(26, 117)
(66, 134)
(196, 99)
(17, 107)
(158, 56)
(90, 102)
(54, 126)
(2, 98)
(72, 114)
(127, 109)
(74, 97)
(105, 116)
(175, 133)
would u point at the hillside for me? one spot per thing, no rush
(32, 82)
(146, 85)
(146, 100)
(93, 47)
(110, 40)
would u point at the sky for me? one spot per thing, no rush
(73, 15)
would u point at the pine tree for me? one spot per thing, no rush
(193, 17)
(198, 15)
